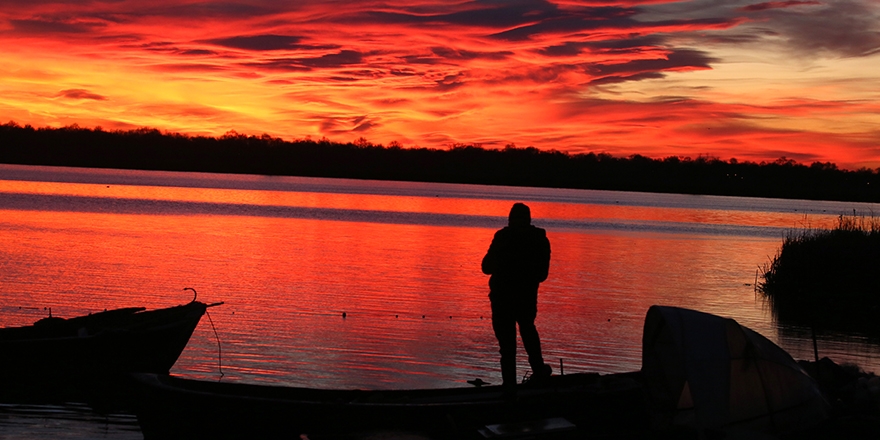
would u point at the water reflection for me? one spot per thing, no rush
(64, 421)
(289, 256)
(399, 203)
(853, 348)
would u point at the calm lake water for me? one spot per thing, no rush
(289, 256)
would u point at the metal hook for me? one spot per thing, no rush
(195, 294)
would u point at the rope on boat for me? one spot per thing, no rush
(219, 350)
(216, 336)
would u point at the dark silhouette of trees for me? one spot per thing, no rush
(150, 149)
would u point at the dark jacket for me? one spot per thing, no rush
(518, 260)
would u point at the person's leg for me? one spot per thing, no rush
(504, 325)
(531, 340)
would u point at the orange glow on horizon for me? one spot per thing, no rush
(744, 79)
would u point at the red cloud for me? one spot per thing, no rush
(80, 94)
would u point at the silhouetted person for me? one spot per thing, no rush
(518, 260)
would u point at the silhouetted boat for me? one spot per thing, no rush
(700, 373)
(56, 355)
(177, 408)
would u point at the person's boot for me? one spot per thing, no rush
(540, 374)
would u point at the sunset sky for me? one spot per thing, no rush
(737, 79)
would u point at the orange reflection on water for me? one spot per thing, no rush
(435, 205)
(370, 202)
(572, 211)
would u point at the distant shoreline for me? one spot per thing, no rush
(149, 149)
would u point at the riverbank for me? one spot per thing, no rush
(149, 149)
(854, 401)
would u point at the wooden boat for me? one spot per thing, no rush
(559, 407)
(701, 373)
(56, 354)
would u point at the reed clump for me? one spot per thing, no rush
(828, 278)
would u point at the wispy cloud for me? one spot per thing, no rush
(777, 5)
(838, 28)
(80, 94)
(37, 27)
(268, 43)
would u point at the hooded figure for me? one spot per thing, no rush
(518, 260)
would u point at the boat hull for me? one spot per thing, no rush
(65, 356)
(565, 407)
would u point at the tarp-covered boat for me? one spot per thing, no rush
(708, 372)
(700, 373)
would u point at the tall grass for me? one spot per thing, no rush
(828, 278)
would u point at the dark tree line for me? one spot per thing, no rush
(149, 149)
